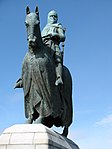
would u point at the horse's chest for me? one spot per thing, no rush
(38, 63)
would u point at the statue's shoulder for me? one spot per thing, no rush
(58, 25)
(47, 26)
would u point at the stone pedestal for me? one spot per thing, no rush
(33, 136)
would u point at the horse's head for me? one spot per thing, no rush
(32, 26)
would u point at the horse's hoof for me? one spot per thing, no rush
(29, 121)
(65, 132)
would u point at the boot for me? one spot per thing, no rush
(59, 75)
(58, 81)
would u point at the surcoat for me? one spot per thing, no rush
(38, 85)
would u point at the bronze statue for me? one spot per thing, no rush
(44, 102)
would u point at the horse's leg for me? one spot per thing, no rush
(65, 131)
(29, 120)
(57, 121)
(47, 121)
(32, 117)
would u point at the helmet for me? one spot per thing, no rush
(52, 17)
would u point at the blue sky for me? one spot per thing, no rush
(88, 55)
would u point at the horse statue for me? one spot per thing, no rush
(44, 102)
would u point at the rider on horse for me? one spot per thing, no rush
(52, 34)
(44, 102)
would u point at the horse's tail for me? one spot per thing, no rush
(66, 93)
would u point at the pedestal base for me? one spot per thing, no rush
(33, 136)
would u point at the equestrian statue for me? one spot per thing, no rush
(46, 82)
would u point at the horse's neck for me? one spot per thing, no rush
(39, 38)
(39, 49)
(34, 51)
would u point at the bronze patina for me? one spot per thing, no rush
(45, 101)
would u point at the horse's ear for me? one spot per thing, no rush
(27, 10)
(36, 10)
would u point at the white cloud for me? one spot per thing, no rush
(107, 120)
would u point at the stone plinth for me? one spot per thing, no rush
(33, 136)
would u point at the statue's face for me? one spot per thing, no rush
(52, 17)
